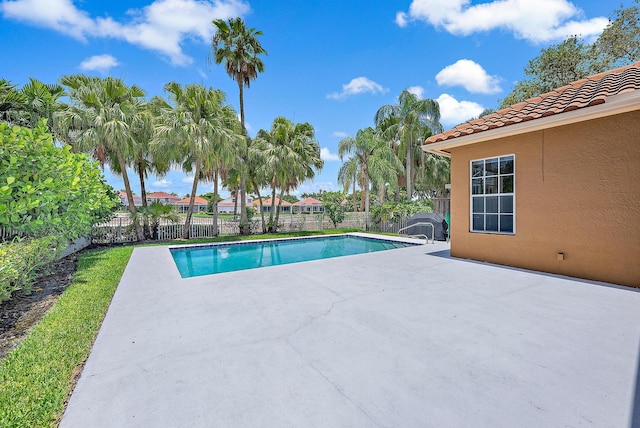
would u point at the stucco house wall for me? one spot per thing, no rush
(577, 192)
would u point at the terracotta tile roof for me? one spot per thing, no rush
(587, 92)
(308, 201)
(268, 202)
(162, 195)
(198, 201)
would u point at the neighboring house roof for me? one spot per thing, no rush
(230, 201)
(612, 92)
(137, 200)
(266, 202)
(308, 201)
(198, 201)
(162, 195)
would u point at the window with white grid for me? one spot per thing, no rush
(493, 195)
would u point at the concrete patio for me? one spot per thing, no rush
(401, 338)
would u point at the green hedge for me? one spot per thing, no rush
(21, 261)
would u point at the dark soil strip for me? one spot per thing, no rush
(23, 311)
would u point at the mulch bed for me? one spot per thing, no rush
(23, 311)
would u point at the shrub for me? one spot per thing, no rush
(333, 208)
(394, 211)
(47, 190)
(21, 261)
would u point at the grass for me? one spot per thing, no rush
(36, 378)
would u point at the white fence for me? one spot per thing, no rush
(120, 229)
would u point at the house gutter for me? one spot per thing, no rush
(616, 104)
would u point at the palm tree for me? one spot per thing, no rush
(145, 161)
(12, 103)
(41, 101)
(258, 175)
(239, 48)
(196, 130)
(101, 118)
(291, 156)
(154, 213)
(412, 115)
(348, 176)
(375, 160)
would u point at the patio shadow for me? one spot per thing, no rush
(446, 254)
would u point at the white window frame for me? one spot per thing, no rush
(498, 194)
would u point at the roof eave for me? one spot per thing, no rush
(613, 105)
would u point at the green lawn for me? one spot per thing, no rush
(36, 377)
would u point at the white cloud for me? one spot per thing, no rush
(164, 183)
(418, 91)
(326, 155)
(187, 179)
(401, 19)
(161, 26)
(453, 112)
(537, 21)
(359, 85)
(470, 75)
(101, 63)
(59, 15)
(340, 134)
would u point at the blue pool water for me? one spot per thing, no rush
(206, 260)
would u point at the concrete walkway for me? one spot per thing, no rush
(401, 338)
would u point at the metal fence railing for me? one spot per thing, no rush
(120, 229)
(8, 234)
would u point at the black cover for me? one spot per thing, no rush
(440, 226)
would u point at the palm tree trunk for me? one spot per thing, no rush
(257, 189)
(275, 226)
(235, 202)
(381, 193)
(362, 191)
(192, 198)
(408, 170)
(143, 195)
(215, 203)
(245, 229)
(127, 189)
(354, 192)
(272, 208)
(366, 205)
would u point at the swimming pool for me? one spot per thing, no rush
(218, 258)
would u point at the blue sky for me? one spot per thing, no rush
(331, 63)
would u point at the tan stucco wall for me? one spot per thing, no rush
(577, 192)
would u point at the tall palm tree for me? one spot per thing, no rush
(101, 118)
(376, 161)
(291, 156)
(239, 48)
(198, 130)
(412, 115)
